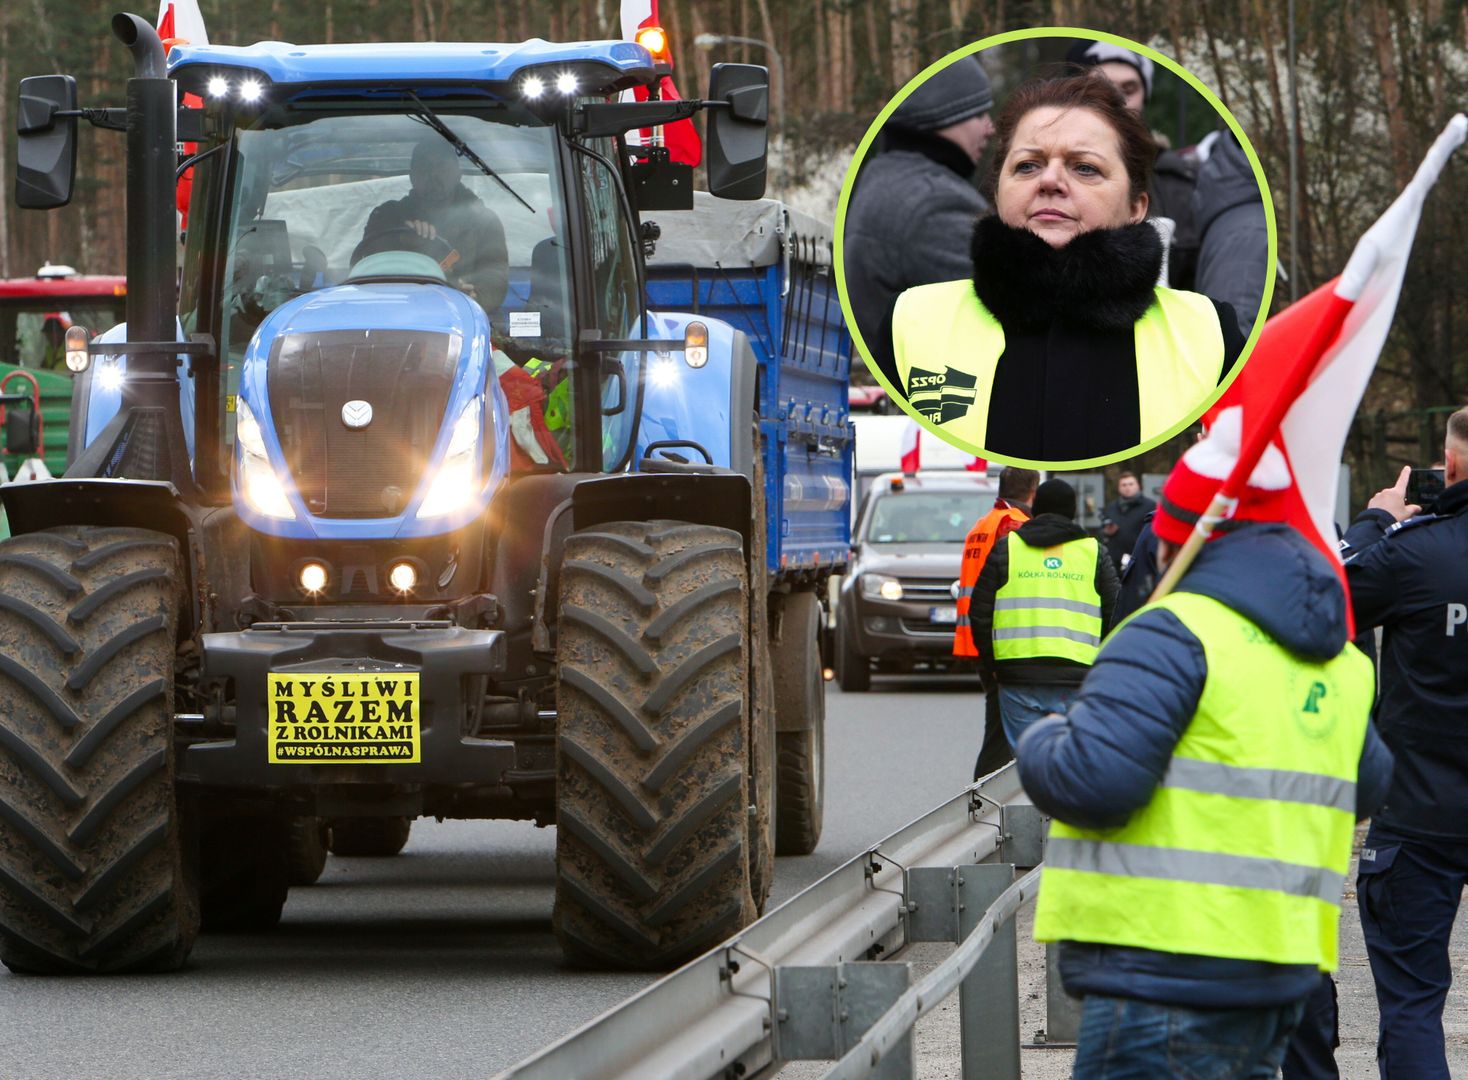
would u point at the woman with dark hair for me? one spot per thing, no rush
(1063, 346)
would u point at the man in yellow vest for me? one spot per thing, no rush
(1204, 787)
(1040, 608)
(1011, 510)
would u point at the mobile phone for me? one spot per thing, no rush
(1424, 486)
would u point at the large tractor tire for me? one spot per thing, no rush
(853, 670)
(92, 875)
(800, 703)
(652, 813)
(244, 873)
(370, 837)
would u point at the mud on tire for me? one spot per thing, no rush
(652, 844)
(800, 696)
(91, 867)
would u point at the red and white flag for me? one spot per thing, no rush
(912, 447)
(180, 22)
(1304, 381)
(681, 137)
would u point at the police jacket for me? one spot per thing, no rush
(1046, 530)
(1103, 761)
(1060, 354)
(1412, 581)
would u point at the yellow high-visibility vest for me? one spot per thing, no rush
(1244, 848)
(947, 346)
(1049, 605)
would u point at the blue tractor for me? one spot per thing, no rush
(401, 495)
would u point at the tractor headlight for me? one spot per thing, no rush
(262, 487)
(455, 484)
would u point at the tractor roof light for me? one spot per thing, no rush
(251, 91)
(218, 86)
(696, 344)
(655, 40)
(533, 87)
(77, 359)
(566, 83)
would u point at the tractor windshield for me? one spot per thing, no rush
(313, 195)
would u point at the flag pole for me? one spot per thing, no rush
(1345, 289)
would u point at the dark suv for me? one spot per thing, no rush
(897, 608)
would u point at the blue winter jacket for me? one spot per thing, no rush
(1099, 764)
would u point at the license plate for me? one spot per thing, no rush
(344, 718)
(944, 616)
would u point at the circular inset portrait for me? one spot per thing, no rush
(1054, 249)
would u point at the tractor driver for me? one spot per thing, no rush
(443, 219)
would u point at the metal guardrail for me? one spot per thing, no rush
(801, 983)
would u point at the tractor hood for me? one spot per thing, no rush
(369, 411)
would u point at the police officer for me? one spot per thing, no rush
(1409, 575)
(1040, 608)
(1011, 510)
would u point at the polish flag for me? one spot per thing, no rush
(912, 447)
(1303, 383)
(180, 22)
(681, 137)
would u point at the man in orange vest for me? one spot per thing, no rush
(1011, 510)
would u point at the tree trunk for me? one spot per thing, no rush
(4, 143)
(904, 41)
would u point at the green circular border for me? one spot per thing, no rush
(1001, 39)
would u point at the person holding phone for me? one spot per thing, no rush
(1408, 573)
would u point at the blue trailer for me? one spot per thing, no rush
(425, 495)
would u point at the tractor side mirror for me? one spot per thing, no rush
(22, 430)
(45, 156)
(738, 135)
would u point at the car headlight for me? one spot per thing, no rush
(455, 484)
(880, 587)
(263, 489)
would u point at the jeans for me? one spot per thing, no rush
(1021, 704)
(1122, 1039)
(1408, 892)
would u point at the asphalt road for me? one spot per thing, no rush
(440, 962)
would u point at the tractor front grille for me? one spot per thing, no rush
(371, 471)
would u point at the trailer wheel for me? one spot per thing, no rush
(307, 839)
(369, 837)
(244, 873)
(800, 701)
(653, 823)
(92, 874)
(853, 670)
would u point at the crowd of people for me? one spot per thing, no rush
(1206, 756)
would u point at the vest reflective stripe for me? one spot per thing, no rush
(1281, 785)
(1020, 603)
(1243, 849)
(1048, 606)
(1201, 867)
(947, 346)
(1022, 633)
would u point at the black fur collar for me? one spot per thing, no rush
(1101, 280)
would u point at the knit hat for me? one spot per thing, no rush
(1196, 478)
(1055, 497)
(1092, 53)
(959, 91)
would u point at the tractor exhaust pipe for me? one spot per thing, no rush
(143, 42)
(145, 439)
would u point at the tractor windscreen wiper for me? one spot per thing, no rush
(427, 116)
